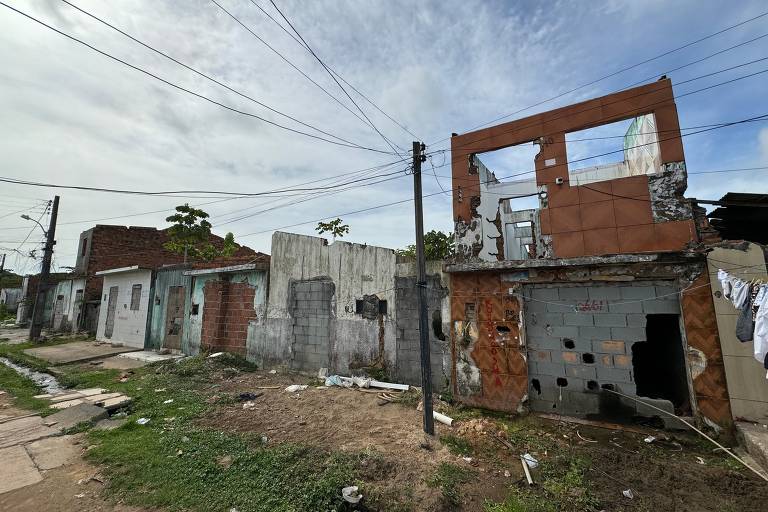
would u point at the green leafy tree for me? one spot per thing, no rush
(190, 235)
(437, 246)
(334, 227)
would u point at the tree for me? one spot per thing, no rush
(190, 235)
(437, 246)
(334, 227)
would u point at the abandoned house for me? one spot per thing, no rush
(604, 285)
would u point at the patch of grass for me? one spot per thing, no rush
(23, 389)
(83, 426)
(518, 501)
(456, 445)
(449, 478)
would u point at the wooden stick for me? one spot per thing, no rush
(592, 423)
(726, 450)
(267, 387)
(527, 471)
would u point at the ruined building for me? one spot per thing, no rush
(604, 286)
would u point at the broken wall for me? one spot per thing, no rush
(644, 213)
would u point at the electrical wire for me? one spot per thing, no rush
(207, 77)
(188, 91)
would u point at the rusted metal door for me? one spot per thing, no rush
(174, 317)
(489, 366)
(109, 328)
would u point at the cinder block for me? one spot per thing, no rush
(552, 319)
(628, 333)
(533, 306)
(571, 357)
(542, 368)
(578, 319)
(540, 355)
(573, 293)
(565, 307)
(625, 307)
(622, 361)
(539, 405)
(594, 333)
(567, 331)
(604, 292)
(610, 320)
(581, 404)
(638, 292)
(661, 307)
(581, 371)
(545, 293)
(613, 375)
(609, 347)
(636, 320)
(605, 360)
(667, 292)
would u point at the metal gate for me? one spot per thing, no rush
(109, 328)
(489, 365)
(174, 317)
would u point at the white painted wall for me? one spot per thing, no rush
(130, 326)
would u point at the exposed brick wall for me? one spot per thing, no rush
(227, 312)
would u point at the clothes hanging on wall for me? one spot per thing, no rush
(751, 299)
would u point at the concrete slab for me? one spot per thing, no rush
(17, 469)
(754, 437)
(78, 351)
(110, 424)
(147, 356)
(70, 417)
(121, 363)
(24, 430)
(54, 452)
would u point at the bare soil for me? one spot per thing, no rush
(666, 475)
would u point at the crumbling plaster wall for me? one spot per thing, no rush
(355, 270)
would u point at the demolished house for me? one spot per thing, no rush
(605, 286)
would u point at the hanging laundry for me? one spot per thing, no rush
(761, 326)
(745, 324)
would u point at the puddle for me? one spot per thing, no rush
(45, 381)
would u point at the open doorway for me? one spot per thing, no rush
(659, 363)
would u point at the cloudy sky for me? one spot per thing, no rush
(72, 116)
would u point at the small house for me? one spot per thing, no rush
(124, 305)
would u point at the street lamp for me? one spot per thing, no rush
(27, 217)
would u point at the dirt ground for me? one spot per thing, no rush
(677, 473)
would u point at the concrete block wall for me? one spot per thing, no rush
(227, 313)
(580, 338)
(407, 321)
(313, 316)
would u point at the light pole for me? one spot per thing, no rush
(35, 326)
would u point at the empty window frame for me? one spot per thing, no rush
(135, 297)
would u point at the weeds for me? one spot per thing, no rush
(448, 478)
(456, 445)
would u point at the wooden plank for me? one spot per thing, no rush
(67, 404)
(100, 398)
(116, 403)
(65, 398)
(46, 395)
(91, 391)
(592, 423)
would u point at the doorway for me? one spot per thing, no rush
(174, 317)
(109, 328)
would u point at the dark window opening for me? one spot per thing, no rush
(659, 362)
(588, 358)
(195, 309)
(135, 297)
(562, 382)
(85, 246)
(536, 385)
(359, 307)
(437, 325)
(382, 307)
(592, 385)
(503, 329)
(569, 343)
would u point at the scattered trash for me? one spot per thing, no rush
(264, 439)
(142, 421)
(507, 473)
(586, 440)
(350, 494)
(249, 405)
(244, 397)
(528, 458)
(322, 373)
(293, 388)
(467, 459)
(169, 401)
(215, 354)
(700, 461)
(79, 496)
(526, 470)
(184, 439)
(442, 418)
(159, 390)
(362, 382)
(649, 439)
(273, 372)
(628, 493)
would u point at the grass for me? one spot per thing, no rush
(456, 445)
(23, 389)
(449, 478)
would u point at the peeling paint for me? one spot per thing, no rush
(697, 362)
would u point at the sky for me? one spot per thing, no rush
(72, 116)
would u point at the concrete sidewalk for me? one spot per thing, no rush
(76, 352)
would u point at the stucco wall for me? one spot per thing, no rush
(130, 325)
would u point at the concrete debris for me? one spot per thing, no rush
(249, 405)
(293, 388)
(82, 413)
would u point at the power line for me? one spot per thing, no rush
(622, 70)
(389, 143)
(188, 91)
(207, 77)
(366, 98)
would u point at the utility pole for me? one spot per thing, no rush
(36, 326)
(2, 273)
(421, 286)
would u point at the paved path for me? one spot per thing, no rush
(77, 352)
(14, 336)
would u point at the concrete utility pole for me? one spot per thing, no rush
(2, 273)
(421, 284)
(36, 326)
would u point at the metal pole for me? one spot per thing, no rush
(421, 286)
(2, 273)
(36, 326)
